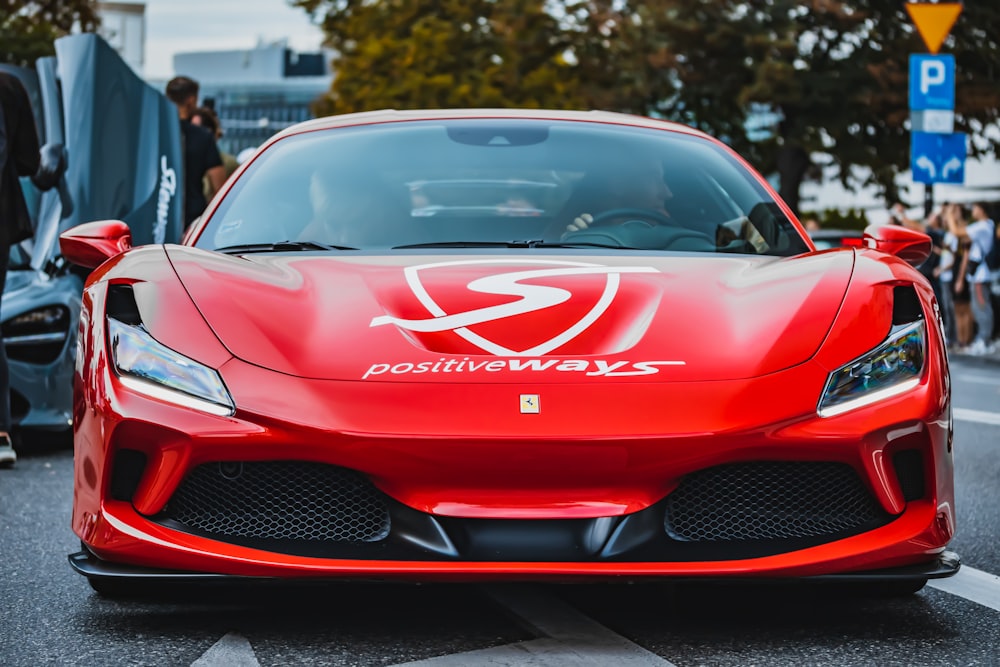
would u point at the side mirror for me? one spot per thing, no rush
(909, 245)
(89, 245)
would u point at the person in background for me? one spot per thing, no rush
(996, 280)
(945, 273)
(20, 156)
(201, 155)
(981, 233)
(811, 225)
(955, 218)
(934, 228)
(205, 117)
(898, 216)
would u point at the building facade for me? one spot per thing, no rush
(257, 92)
(123, 26)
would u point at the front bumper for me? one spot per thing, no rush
(473, 463)
(86, 563)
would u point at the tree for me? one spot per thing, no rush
(29, 28)
(837, 70)
(408, 54)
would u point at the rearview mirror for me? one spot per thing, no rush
(909, 245)
(91, 244)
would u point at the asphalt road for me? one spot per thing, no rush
(50, 616)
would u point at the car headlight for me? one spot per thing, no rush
(149, 367)
(892, 368)
(37, 336)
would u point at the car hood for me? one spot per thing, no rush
(510, 318)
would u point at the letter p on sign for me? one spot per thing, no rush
(932, 82)
(932, 73)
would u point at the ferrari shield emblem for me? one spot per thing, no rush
(529, 404)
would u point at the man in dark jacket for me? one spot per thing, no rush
(19, 156)
(201, 155)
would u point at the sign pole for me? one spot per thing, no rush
(937, 152)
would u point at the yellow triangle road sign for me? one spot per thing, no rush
(934, 21)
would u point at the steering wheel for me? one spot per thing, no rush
(639, 216)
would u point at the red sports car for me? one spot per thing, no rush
(483, 344)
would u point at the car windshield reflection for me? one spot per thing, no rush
(489, 183)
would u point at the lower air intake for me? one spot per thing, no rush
(279, 500)
(771, 500)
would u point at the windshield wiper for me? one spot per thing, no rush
(582, 244)
(280, 246)
(466, 244)
(533, 243)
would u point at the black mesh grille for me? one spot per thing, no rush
(280, 500)
(770, 500)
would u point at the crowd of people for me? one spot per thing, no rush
(963, 271)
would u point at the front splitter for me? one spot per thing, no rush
(87, 564)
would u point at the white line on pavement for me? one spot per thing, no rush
(979, 379)
(570, 638)
(980, 416)
(972, 584)
(232, 650)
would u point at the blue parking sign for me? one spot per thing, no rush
(938, 158)
(932, 82)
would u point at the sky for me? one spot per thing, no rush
(174, 26)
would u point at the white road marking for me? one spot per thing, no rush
(570, 638)
(979, 416)
(972, 584)
(979, 379)
(232, 650)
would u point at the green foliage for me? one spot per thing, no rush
(29, 28)
(412, 54)
(832, 218)
(836, 69)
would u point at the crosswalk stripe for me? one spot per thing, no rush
(569, 638)
(979, 379)
(978, 416)
(232, 650)
(973, 585)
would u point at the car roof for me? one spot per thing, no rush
(395, 116)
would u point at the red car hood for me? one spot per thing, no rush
(517, 318)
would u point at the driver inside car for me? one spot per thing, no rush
(637, 184)
(630, 210)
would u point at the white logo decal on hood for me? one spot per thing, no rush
(533, 298)
(168, 188)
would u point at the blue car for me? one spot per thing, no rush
(123, 142)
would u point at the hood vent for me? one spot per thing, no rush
(905, 305)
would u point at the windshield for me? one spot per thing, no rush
(517, 183)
